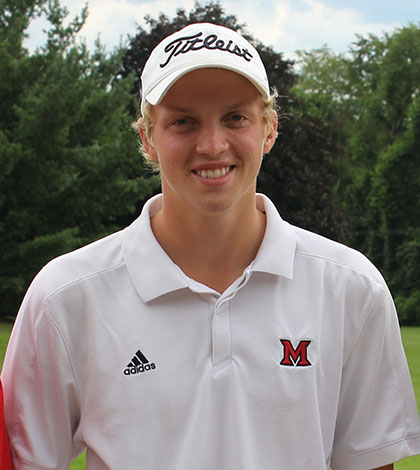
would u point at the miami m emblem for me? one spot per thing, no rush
(295, 357)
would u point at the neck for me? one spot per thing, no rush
(212, 248)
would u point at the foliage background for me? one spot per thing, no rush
(370, 97)
(346, 163)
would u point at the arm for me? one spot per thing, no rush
(41, 404)
(374, 374)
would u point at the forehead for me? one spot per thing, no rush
(210, 84)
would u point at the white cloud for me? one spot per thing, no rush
(289, 25)
(286, 25)
(112, 20)
(115, 19)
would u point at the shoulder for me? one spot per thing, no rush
(307, 256)
(319, 250)
(77, 267)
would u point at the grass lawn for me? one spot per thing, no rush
(411, 339)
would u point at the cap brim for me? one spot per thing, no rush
(155, 95)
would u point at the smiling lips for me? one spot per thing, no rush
(213, 174)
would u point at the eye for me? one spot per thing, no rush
(236, 119)
(181, 122)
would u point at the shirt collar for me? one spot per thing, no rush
(152, 271)
(154, 274)
(277, 251)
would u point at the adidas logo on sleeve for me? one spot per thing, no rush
(139, 363)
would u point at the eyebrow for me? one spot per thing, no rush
(230, 107)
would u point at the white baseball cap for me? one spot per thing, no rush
(197, 46)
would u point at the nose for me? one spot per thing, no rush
(211, 140)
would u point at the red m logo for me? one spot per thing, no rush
(295, 357)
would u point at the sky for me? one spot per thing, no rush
(286, 25)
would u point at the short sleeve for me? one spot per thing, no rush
(378, 420)
(41, 396)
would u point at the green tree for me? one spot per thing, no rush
(69, 168)
(395, 197)
(370, 98)
(385, 149)
(324, 85)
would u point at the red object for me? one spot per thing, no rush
(5, 457)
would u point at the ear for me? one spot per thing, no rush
(147, 145)
(271, 137)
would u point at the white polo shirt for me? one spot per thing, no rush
(298, 365)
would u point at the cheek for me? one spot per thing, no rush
(253, 145)
(170, 154)
(173, 145)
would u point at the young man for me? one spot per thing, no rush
(210, 334)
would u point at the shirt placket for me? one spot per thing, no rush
(221, 326)
(222, 337)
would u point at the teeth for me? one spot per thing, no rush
(213, 173)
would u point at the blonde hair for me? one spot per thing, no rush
(145, 124)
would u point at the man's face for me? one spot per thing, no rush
(209, 137)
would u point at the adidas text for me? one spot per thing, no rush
(139, 369)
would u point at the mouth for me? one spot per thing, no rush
(214, 173)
